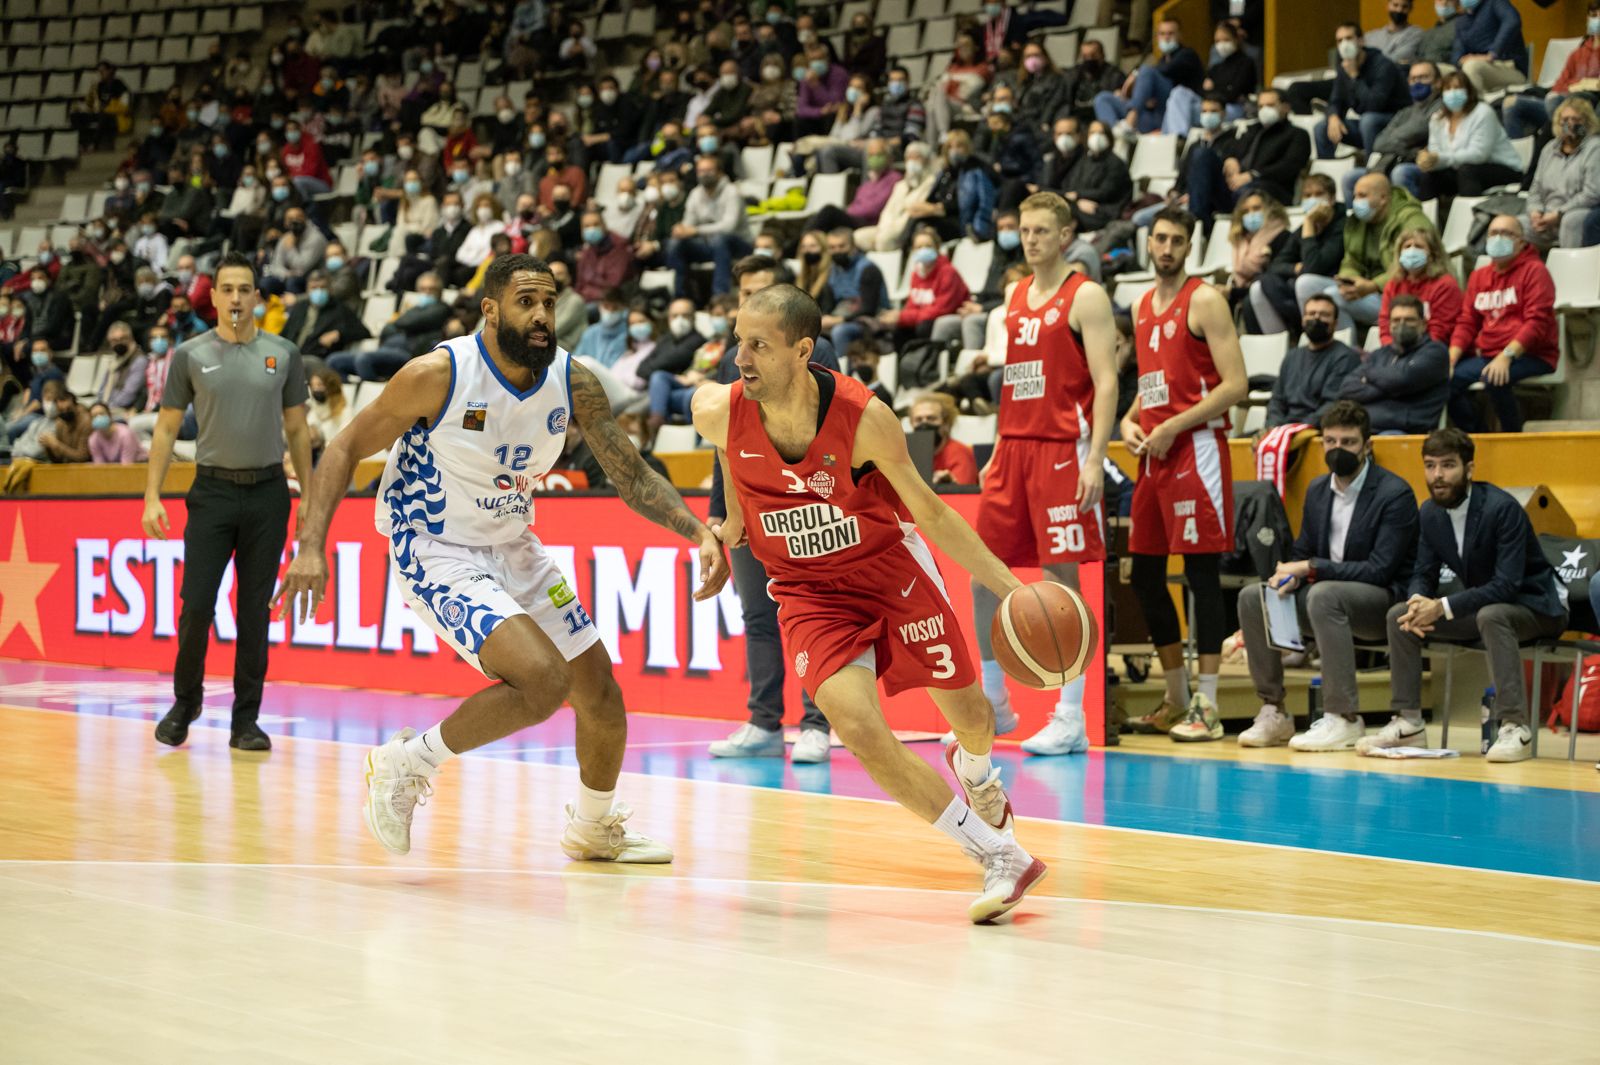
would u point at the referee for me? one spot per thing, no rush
(249, 390)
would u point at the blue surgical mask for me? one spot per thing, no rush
(594, 234)
(774, 17)
(799, 73)
(1210, 120)
(335, 264)
(413, 188)
(1253, 221)
(460, 177)
(1413, 258)
(1420, 92)
(101, 421)
(41, 359)
(219, 150)
(897, 88)
(639, 331)
(1008, 239)
(925, 256)
(424, 299)
(708, 144)
(292, 136)
(1168, 45)
(612, 318)
(536, 139)
(1361, 207)
(719, 327)
(1444, 11)
(1470, 5)
(1499, 246)
(1593, 25)
(819, 67)
(159, 345)
(1455, 99)
(1001, 107)
(46, 258)
(371, 168)
(852, 94)
(280, 193)
(260, 312)
(991, 10)
(318, 297)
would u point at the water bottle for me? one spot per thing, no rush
(1488, 720)
(1314, 700)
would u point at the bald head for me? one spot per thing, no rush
(1375, 189)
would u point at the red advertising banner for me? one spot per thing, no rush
(81, 583)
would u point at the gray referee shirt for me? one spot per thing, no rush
(239, 392)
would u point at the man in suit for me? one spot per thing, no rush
(320, 325)
(1350, 563)
(1508, 594)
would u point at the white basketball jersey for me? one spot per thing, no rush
(468, 477)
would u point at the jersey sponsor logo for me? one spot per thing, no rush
(813, 530)
(561, 594)
(454, 612)
(519, 483)
(922, 631)
(557, 421)
(514, 502)
(1064, 513)
(821, 483)
(1025, 379)
(477, 404)
(474, 420)
(750, 454)
(801, 661)
(272, 364)
(1153, 389)
(210, 369)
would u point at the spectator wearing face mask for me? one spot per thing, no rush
(344, 276)
(606, 261)
(1490, 50)
(438, 252)
(913, 185)
(50, 315)
(1099, 186)
(674, 349)
(1565, 194)
(300, 249)
(1528, 114)
(1314, 248)
(1422, 270)
(189, 207)
(1507, 330)
(1403, 384)
(111, 442)
(514, 183)
(1259, 232)
(1468, 151)
(80, 279)
(561, 173)
(476, 245)
(38, 368)
(1267, 156)
(936, 290)
(195, 287)
(60, 434)
(319, 324)
(328, 412)
(606, 340)
(122, 387)
(1312, 374)
(953, 461)
(1367, 83)
(414, 331)
(302, 159)
(621, 215)
(418, 213)
(961, 201)
(822, 90)
(144, 306)
(1141, 104)
(714, 228)
(151, 246)
(1399, 41)
(13, 324)
(1406, 135)
(1439, 41)
(1231, 78)
(1381, 213)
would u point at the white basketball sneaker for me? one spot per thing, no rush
(609, 840)
(1064, 733)
(987, 799)
(1272, 728)
(1008, 875)
(1005, 721)
(749, 741)
(1514, 744)
(1397, 733)
(396, 786)
(813, 747)
(1330, 732)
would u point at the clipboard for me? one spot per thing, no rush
(1282, 614)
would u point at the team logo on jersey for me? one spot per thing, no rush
(1170, 329)
(821, 483)
(801, 661)
(507, 482)
(1052, 316)
(454, 612)
(272, 364)
(558, 421)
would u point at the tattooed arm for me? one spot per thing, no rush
(646, 491)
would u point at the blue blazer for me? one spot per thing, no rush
(1503, 562)
(1381, 545)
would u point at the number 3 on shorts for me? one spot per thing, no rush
(1064, 538)
(944, 668)
(1191, 534)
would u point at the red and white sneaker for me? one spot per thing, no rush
(1008, 875)
(987, 799)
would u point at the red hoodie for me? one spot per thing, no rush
(1514, 303)
(1441, 302)
(305, 159)
(941, 291)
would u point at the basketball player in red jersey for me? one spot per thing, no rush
(1191, 373)
(1042, 487)
(823, 489)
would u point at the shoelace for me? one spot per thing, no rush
(409, 793)
(616, 832)
(998, 866)
(989, 796)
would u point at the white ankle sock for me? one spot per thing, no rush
(429, 750)
(971, 768)
(1071, 700)
(994, 683)
(1208, 687)
(970, 831)
(593, 805)
(1178, 686)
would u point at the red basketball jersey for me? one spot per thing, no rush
(1175, 366)
(811, 519)
(1046, 391)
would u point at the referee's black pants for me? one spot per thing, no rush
(248, 523)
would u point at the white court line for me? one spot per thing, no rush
(490, 756)
(547, 750)
(693, 881)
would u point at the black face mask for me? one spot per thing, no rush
(812, 257)
(319, 397)
(120, 349)
(1317, 331)
(842, 258)
(1342, 463)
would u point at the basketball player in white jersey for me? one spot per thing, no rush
(1043, 485)
(473, 423)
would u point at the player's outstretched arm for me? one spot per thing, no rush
(881, 441)
(416, 393)
(642, 488)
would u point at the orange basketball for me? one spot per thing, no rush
(1044, 635)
